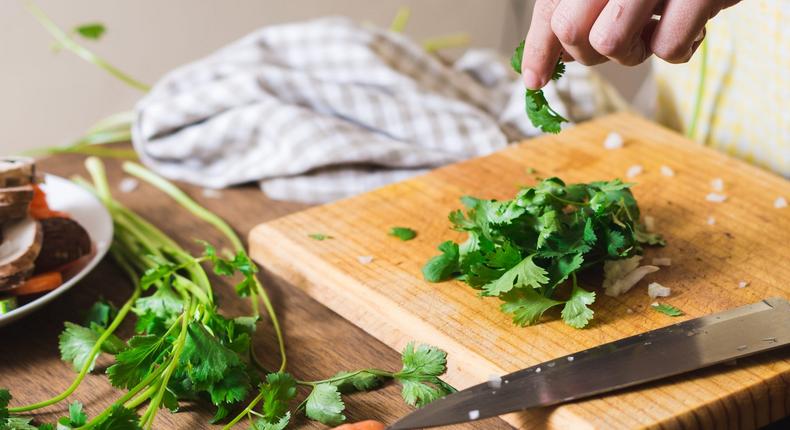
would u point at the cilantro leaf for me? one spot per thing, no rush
(403, 233)
(539, 112)
(442, 266)
(94, 30)
(522, 275)
(5, 398)
(76, 342)
(325, 405)
(278, 390)
(667, 309)
(101, 313)
(419, 376)
(18, 423)
(232, 388)
(132, 365)
(576, 313)
(319, 236)
(263, 424)
(77, 417)
(527, 306)
(205, 360)
(119, 418)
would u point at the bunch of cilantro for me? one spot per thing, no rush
(183, 349)
(524, 250)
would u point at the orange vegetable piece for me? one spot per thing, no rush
(38, 284)
(362, 425)
(39, 209)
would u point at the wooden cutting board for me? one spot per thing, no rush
(388, 297)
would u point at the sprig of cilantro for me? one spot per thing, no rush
(538, 110)
(525, 249)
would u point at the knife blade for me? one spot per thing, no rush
(657, 354)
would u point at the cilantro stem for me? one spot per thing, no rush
(148, 417)
(568, 202)
(140, 399)
(692, 130)
(245, 412)
(93, 353)
(377, 372)
(68, 43)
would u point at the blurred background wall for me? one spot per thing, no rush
(49, 98)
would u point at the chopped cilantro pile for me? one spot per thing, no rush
(524, 250)
(539, 112)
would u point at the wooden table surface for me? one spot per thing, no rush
(319, 342)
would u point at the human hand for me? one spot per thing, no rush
(362, 425)
(596, 31)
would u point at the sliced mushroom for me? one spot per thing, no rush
(64, 241)
(14, 202)
(19, 250)
(16, 171)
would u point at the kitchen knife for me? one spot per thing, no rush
(668, 351)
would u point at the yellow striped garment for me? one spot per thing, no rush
(744, 108)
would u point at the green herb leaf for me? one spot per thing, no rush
(422, 366)
(133, 365)
(278, 390)
(5, 398)
(325, 405)
(92, 31)
(527, 306)
(443, 266)
(18, 423)
(76, 343)
(101, 313)
(576, 313)
(525, 274)
(77, 417)
(263, 424)
(668, 310)
(119, 418)
(539, 112)
(319, 236)
(403, 233)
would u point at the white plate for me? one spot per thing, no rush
(86, 209)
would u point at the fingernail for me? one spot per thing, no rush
(700, 36)
(531, 80)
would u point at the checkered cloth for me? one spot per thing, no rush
(320, 110)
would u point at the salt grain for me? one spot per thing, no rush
(365, 259)
(211, 193)
(655, 304)
(537, 370)
(629, 311)
(495, 382)
(650, 223)
(711, 220)
(717, 184)
(634, 171)
(127, 185)
(780, 203)
(613, 141)
(743, 284)
(474, 414)
(662, 261)
(570, 358)
(657, 290)
(667, 171)
(716, 198)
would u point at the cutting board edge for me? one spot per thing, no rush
(390, 334)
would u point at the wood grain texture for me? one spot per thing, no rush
(319, 342)
(389, 299)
